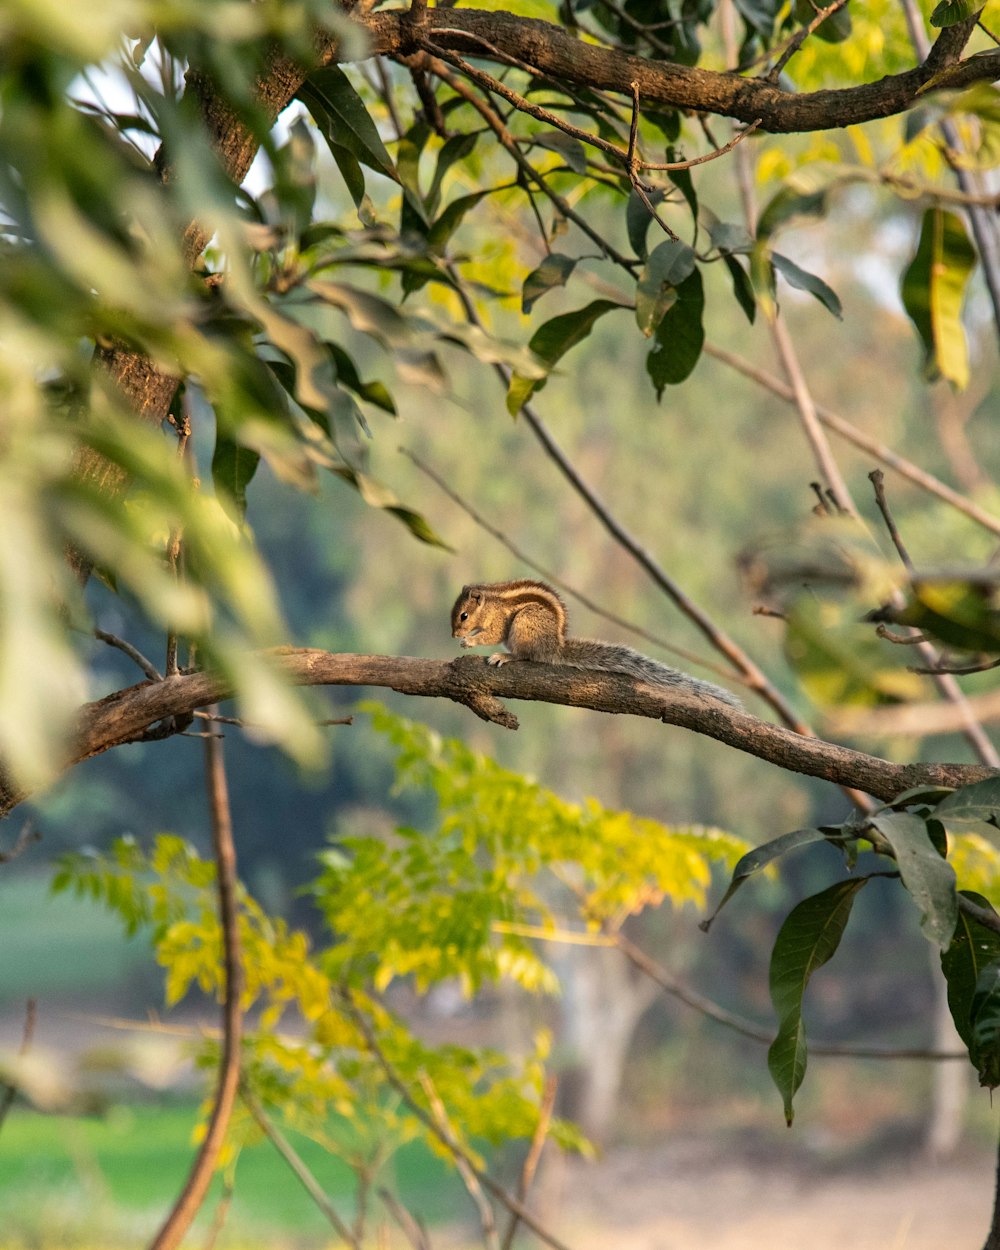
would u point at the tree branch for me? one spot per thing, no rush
(126, 715)
(558, 54)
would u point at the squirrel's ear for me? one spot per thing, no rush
(476, 595)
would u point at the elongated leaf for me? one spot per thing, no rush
(788, 204)
(656, 291)
(680, 336)
(973, 949)
(553, 272)
(343, 120)
(807, 940)
(800, 278)
(759, 858)
(968, 809)
(570, 149)
(551, 341)
(933, 292)
(347, 373)
(742, 287)
(985, 1018)
(637, 219)
(929, 878)
(949, 12)
(457, 148)
(233, 467)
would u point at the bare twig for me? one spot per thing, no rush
(414, 1231)
(708, 156)
(27, 835)
(298, 1166)
(959, 670)
(533, 1156)
(196, 1186)
(850, 433)
(470, 1180)
(877, 479)
(800, 36)
(136, 656)
(182, 424)
(485, 1180)
(10, 1091)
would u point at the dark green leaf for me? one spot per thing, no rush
(973, 949)
(759, 858)
(759, 15)
(233, 468)
(808, 938)
(933, 292)
(342, 118)
(347, 374)
(984, 1015)
(457, 148)
(971, 805)
(918, 795)
(354, 180)
(729, 236)
(570, 149)
(680, 336)
(805, 281)
(656, 291)
(637, 219)
(835, 29)
(949, 12)
(551, 341)
(682, 180)
(553, 272)
(929, 878)
(787, 204)
(451, 217)
(742, 287)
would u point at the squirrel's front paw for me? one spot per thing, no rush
(498, 659)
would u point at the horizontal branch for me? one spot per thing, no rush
(560, 55)
(127, 715)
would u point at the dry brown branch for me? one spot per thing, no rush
(126, 648)
(124, 716)
(195, 1187)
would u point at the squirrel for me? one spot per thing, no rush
(531, 620)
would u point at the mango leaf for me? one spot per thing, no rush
(637, 219)
(808, 938)
(551, 341)
(802, 280)
(759, 858)
(959, 613)
(656, 291)
(729, 237)
(929, 878)
(233, 467)
(949, 12)
(933, 291)
(378, 496)
(343, 120)
(553, 272)
(570, 149)
(680, 336)
(972, 805)
(973, 950)
(347, 374)
(835, 29)
(984, 1015)
(455, 149)
(789, 203)
(742, 287)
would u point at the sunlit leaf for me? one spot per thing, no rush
(934, 290)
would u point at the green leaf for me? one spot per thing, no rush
(553, 272)
(374, 392)
(929, 878)
(570, 149)
(972, 805)
(984, 1017)
(742, 287)
(933, 292)
(233, 467)
(949, 12)
(680, 336)
(656, 291)
(455, 149)
(835, 29)
(759, 858)
(808, 938)
(788, 204)
(354, 180)
(637, 220)
(551, 341)
(343, 120)
(730, 237)
(973, 950)
(805, 281)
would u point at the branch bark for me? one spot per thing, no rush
(127, 715)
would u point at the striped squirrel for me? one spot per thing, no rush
(531, 620)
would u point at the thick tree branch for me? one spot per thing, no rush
(127, 715)
(559, 55)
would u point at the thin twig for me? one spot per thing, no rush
(899, 640)
(487, 1219)
(27, 1034)
(414, 1231)
(800, 36)
(959, 670)
(689, 657)
(182, 424)
(195, 1187)
(298, 1166)
(533, 1156)
(27, 835)
(708, 156)
(136, 656)
(850, 433)
(396, 1081)
(877, 479)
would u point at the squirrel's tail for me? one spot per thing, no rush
(624, 660)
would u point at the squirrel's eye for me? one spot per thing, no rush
(464, 616)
